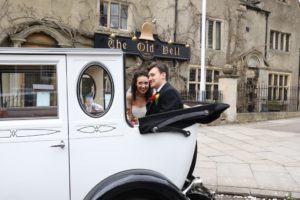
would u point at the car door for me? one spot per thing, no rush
(33, 127)
(96, 119)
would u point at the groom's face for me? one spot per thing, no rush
(156, 78)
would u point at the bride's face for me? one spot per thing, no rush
(142, 84)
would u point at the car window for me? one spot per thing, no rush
(95, 90)
(28, 91)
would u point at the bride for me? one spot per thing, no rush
(137, 98)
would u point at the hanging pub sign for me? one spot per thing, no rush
(146, 48)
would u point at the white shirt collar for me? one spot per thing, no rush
(160, 87)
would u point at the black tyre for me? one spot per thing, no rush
(139, 195)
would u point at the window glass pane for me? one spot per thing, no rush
(216, 76)
(276, 40)
(199, 75)
(281, 80)
(275, 79)
(114, 9)
(193, 91)
(282, 41)
(210, 34)
(114, 15)
(285, 80)
(271, 39)
(280, 94)
(218, 35)
(208, 75)
(124, 16)
(114, 22)
(192, 87)
(270, 79)
(95, 91)
(103, 14)
(215, 93)
(269, 93)
(287, 42)
(285, 94)
(192, 74)
(28, 91)
(208, 90)
(274, 93)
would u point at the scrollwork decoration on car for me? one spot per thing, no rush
(23, 133)
(93, 129)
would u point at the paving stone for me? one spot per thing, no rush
(205, 139)
(221, 146)
(225, 159)
(275, 157)
(234, 170)
(292, 164)
(285, 151)
(236, 182)
(201, 157)
(207, 164)
(263, 161)
(268, 168)
(207, 175)
(275, 181)
(211, 152)
(295, 173)
(243, 155)
(259, 143)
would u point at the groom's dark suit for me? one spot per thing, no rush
(169, 99)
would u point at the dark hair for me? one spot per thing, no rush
(134, 82)
(162, 67)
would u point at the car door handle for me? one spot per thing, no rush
(61, 145)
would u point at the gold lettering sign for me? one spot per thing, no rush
(173, 51)
(146, 49)
(116, 44)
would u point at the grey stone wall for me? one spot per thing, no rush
(243, 30)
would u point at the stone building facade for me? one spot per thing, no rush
(259, 38)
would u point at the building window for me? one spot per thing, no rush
(280, 41)
(113, 15)
(278, 87)
(211, 86)
(213, 34)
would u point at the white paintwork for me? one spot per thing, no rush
(113, 147)
(29, 167)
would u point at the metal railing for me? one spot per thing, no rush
(264, 98)
(209, 96)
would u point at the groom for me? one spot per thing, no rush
(166, 97)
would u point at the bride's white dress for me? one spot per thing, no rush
(138, 112)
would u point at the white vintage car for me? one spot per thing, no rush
(54, 146)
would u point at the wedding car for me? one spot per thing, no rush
(55, 146)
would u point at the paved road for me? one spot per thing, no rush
(257, 159)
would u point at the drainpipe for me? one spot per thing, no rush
(175, 22)
(175, 27)
(1, 97)
(298, 97)
(266, 34)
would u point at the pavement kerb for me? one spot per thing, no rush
(240, 191)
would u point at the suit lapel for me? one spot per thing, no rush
(152, 107)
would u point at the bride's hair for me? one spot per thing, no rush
(134, 87)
